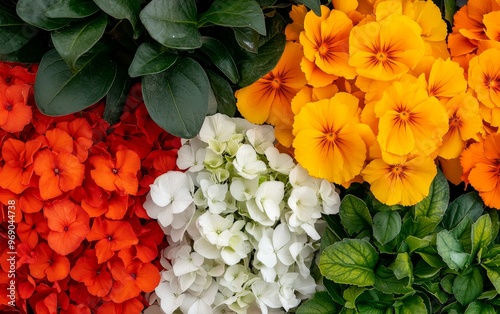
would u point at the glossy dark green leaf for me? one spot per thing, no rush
(354, 214)
(72, 9)
(466, 205)
(150, 60)
(451, 251)
(247, 39)
(32, 52)
(33, 12)
(242, 13)
(449, 10)
(224, 95)
(481, 235)
(117, 96)
(320, 303)
(58, 91)
(386, 226)
(219, 55)
(253, 66)
(350, 261)
(122, 9)
(334, 290)
(177, 99)
(75, 39)
(424, 270)
(172, 23)
(14, 33)
(468, 286)
(314, 5)
(478, 307)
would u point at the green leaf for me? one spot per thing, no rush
(466, 205)
(449, 10)
(328, 237)
(320, 303)
(335, 291)
(224, 95)
(242, 13)
(478, 307)
(219, 55)
(468, 286)
(72, 9)
(75, 39)
(247, 39)
(450, 250)
(354, 214)
(253, 66)
(177, 99)
(430, 256)
(429, 212)
(371, 309)
(415, 243)
(402, 266)
(58, 91)
(447, 283)
(481, 235)
(14, 33)
(335, 224)
(150, 60)
(117, 96)
(434, 289)
(488, 295)
(32, 52)
(350, 295)
(33, 12)
(122, 9)
(386, 282)
(350, 261)
(386, 226)
(462, 232)
(411, 305)
(172, 23)
(491, 258)
(495, 223)
(493, 274)
(424, 270)
(314, 5)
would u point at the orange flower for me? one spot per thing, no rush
(59, 303)
(481, 164)
(484, 77)
(46, 262)
(18, 169)
(30, 200)
(81, 133)
(111, 236)
(15, 114)
(131, 279)
(326, 41)
(31, 227)
(131, 306)
(297, 14)
(96, 277)
(119, 175)
(68, 224)
(268, 99)
(58, 173)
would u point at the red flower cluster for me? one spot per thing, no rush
(84, 241)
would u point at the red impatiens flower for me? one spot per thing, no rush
(32, 226)
(59, 303)
(117, 175)
(58, 173)
(81, 133)
(15, 114)
(96, 277)
(47, 263)
(68, 224)
(112, 236)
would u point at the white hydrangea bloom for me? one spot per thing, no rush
(169, 293)
(275, 245)
(299, 177)
(191, 156)
(216, 131)
(330, 198)
(266, 295)
(243, 190)
(261, 137)
(268, 199)
(236, 277)
(291, 282)
(279, 162)
(196, 303)
(247, 164)
(215, 228)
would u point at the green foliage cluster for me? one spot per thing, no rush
(188, 54)
(434, 257)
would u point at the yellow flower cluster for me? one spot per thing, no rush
(368, 91)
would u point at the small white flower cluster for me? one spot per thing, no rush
(243, 223)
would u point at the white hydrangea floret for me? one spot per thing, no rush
(279, 162)
(191, 156)
(247, 164)
(261, 138)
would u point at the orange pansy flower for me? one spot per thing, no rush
(96, 277)
(15, 114)
(68, 224)
(32, 226)
(46, 262)
(111, 236)
(117, 175)
(58, 173)
(18, 169)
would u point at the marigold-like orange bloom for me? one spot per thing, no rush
(406, 182)
(484, 77)
(131, 279)
(410, 120)
(481, 165)
(31, 227)
(68, 224)
(465, 123)
(428, 16)
(446, 79)
(111, 236)
(297, 14)
(58, 173)
(48, 263)
(329, 141)
(96, 277)
(326, 41)
(17, 172)
(15, 114)
(387, 49)
(269, 98)
(117, 175)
